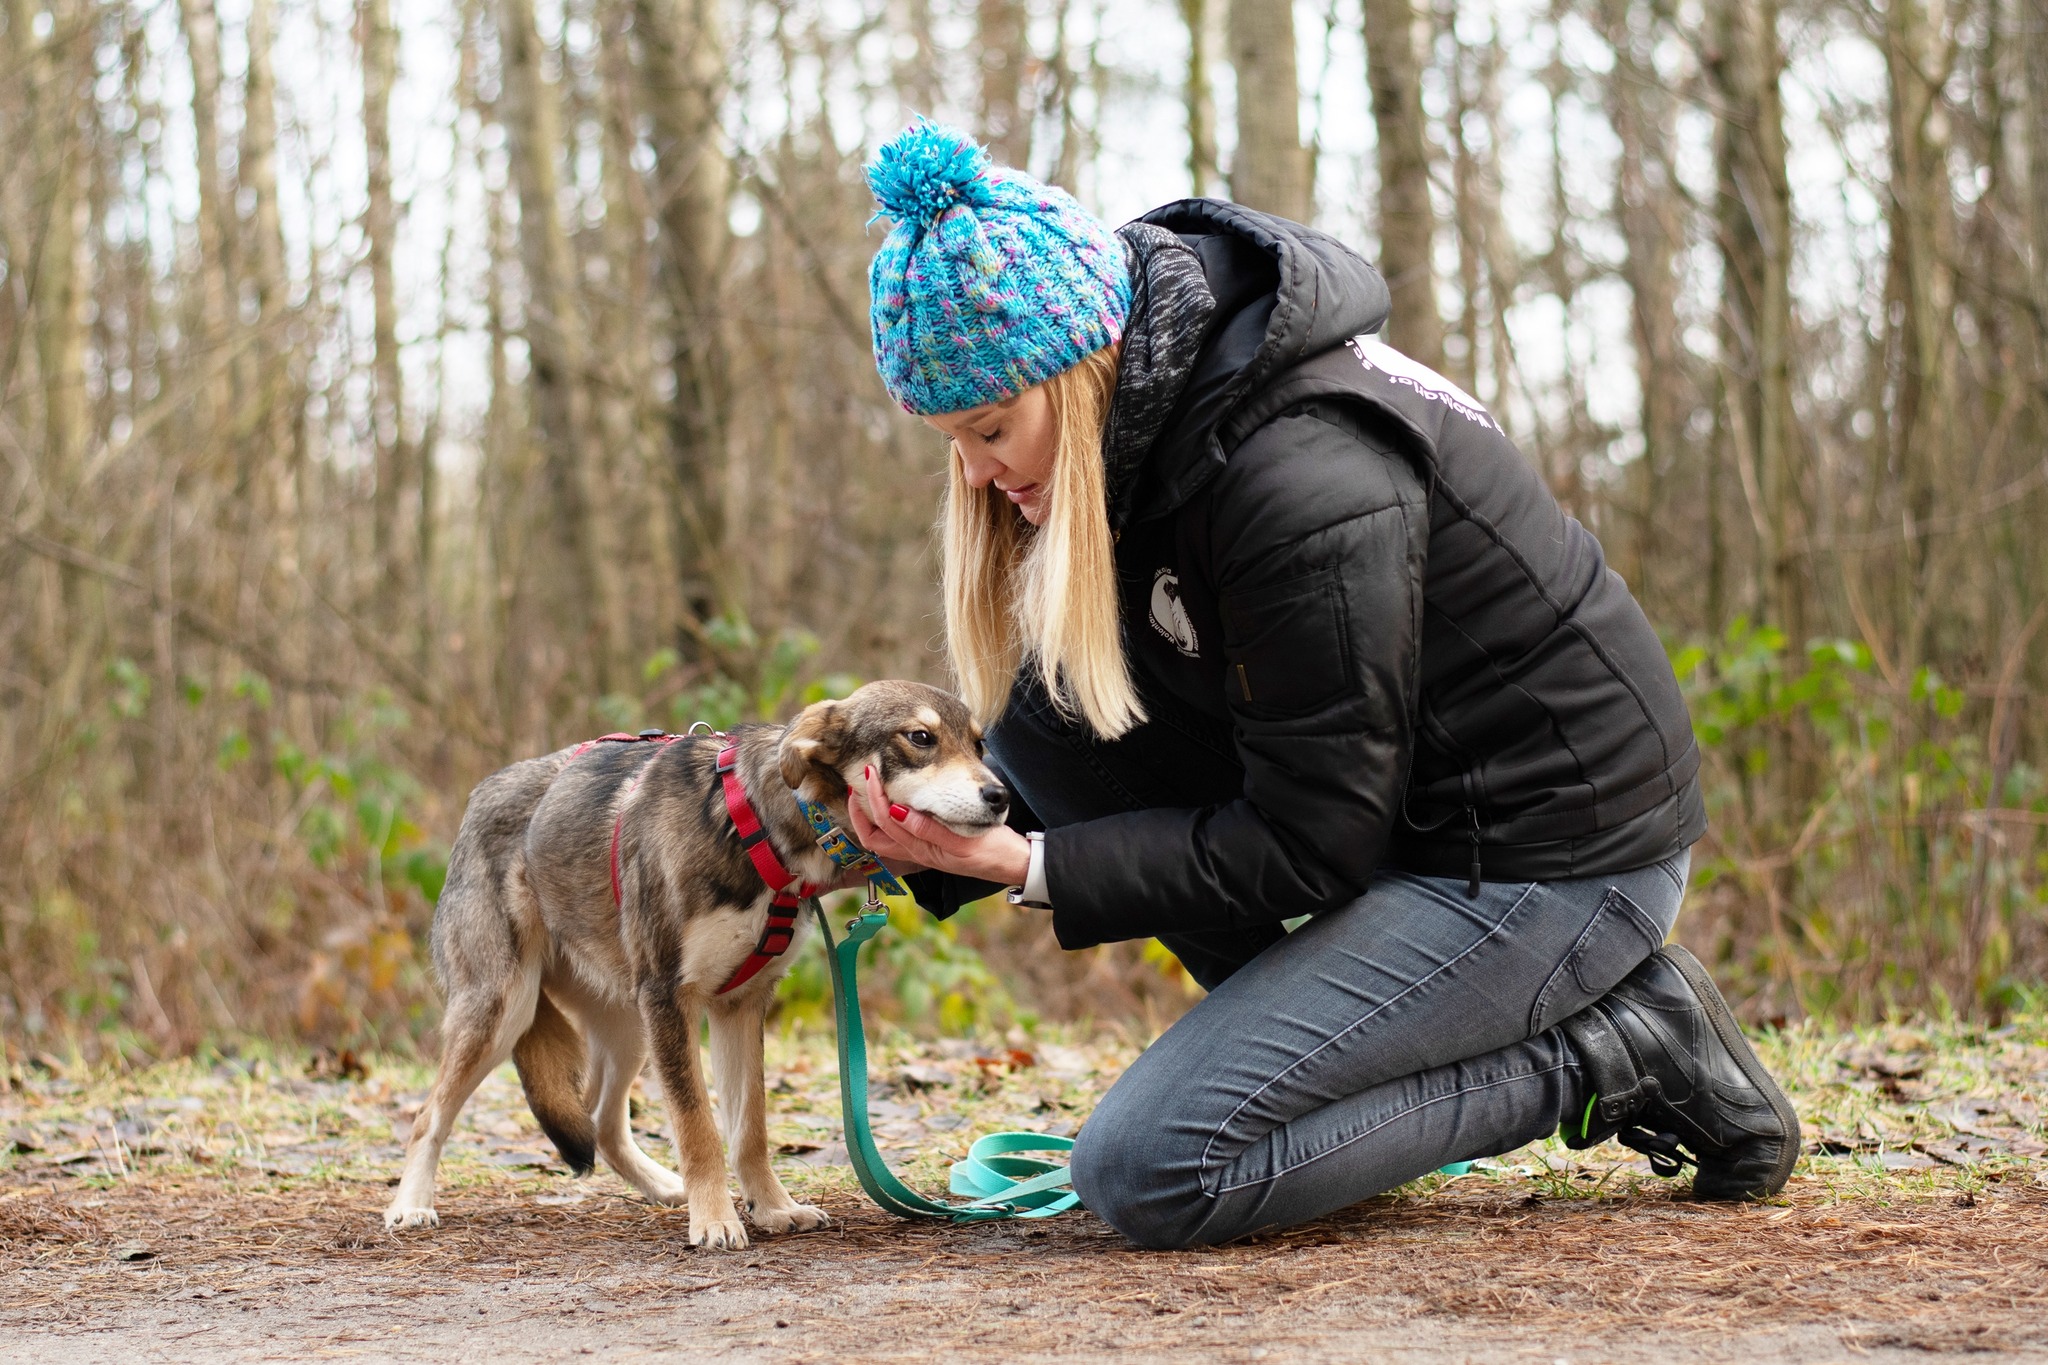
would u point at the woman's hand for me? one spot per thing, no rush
(911, 841)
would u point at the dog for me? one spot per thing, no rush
(601, 899)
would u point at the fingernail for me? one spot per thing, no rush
(900, 812)
(867, 774)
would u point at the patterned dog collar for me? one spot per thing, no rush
(843, 851)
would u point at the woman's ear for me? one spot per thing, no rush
(812, 744)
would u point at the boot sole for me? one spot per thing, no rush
(1730, 1034)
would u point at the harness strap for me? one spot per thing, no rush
(753, 835)
(780, 931)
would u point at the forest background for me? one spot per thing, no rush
(394, 391)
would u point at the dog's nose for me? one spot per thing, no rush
(995, 796)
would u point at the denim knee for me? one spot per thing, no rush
(1123, 1175)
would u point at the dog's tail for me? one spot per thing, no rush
(550, 1059)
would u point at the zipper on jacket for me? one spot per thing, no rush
(1471, 814)
(1472, 886)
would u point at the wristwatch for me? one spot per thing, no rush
(1033, 893)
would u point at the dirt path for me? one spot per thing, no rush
(232, 1214)
(1495, 1274)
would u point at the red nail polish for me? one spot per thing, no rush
(900, 812)
(867, 774)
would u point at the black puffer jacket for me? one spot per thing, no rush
(1338, 555)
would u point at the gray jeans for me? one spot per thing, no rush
(1413, 1028)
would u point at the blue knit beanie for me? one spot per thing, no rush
(989, 282)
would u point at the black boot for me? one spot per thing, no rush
(1665, 1065)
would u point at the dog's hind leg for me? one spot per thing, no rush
(736, 1025)
(671, 1016)
(620, 1047)
(478, 1032)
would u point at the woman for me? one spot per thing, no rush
(1267, 621)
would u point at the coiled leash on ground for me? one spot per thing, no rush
(1002, 1180)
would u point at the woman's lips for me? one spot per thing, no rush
(1020, 496)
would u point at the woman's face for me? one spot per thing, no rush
(1009, 444)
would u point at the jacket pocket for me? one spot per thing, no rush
(1613, 943)
(1286, 648)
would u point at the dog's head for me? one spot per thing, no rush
(922, 742)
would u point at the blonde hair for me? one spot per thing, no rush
(1045, 597)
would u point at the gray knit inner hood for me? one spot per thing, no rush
(1171, 309)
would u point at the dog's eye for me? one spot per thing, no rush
(921, 738)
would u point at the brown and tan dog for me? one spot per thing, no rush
(539, 963)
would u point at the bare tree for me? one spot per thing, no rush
(379, 44)
(1199, 95)
(1004, 49)
(683, 84)
(1407, 219)
(2035, 26)
(1270, 169)
(584, 597)
(1650, 213)
(202, 48)
(1753, 218)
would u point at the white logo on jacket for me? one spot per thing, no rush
(1170, 615)
(1375, 354)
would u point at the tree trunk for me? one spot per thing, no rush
(202, 47)
(1753, 214)
(1005, 50)
(2035, 25)
(379, 41)
(1407, 221)
(684, 52)
(1270, 170)
(1652, 227)
(1921, 298)
(64, 259)
(1200, 96)
(584, 597)
(916, 75)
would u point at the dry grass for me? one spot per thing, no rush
(1919, 1217)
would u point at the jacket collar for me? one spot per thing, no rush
(1278, 293)
(1171, 308)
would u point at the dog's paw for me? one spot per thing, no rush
(719, 1234)
(397, 1217)
(790, 1217)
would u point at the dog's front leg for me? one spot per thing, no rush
(671, 1019)
(736, 1026)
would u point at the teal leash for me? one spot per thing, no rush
(1000, 1176)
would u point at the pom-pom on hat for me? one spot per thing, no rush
(989, 281)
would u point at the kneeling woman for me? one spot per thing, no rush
(1268, 621)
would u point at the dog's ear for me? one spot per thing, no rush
(812, 743)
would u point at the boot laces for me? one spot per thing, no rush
(1666, 1158)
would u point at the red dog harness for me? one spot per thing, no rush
(782, 910)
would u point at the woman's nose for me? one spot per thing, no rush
(979, 472)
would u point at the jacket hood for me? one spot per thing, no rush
(1283, 293)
